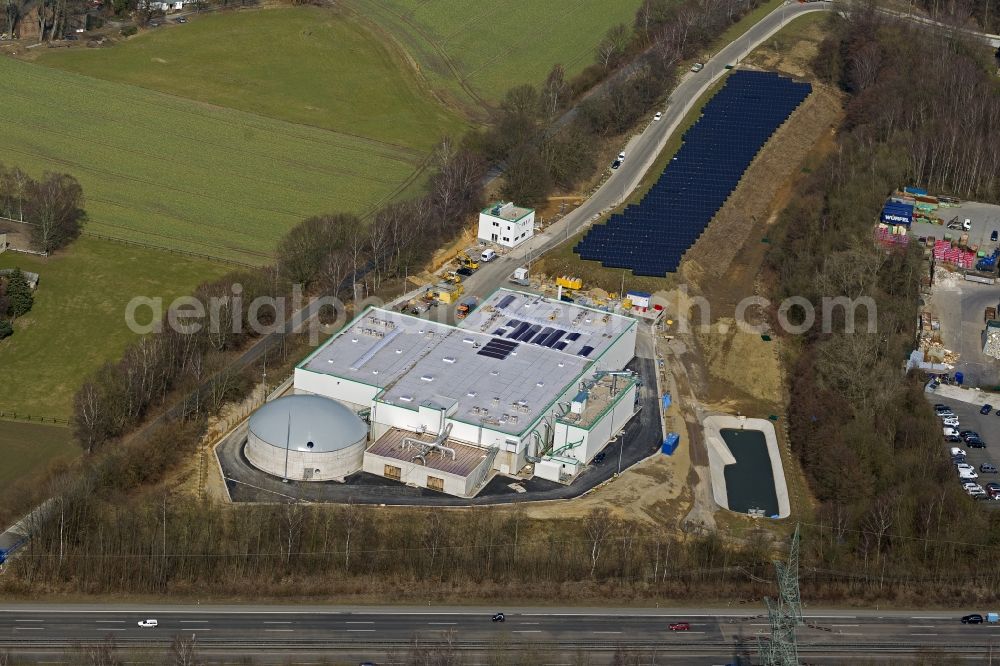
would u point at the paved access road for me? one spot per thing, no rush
(641, 151)
(303, 634)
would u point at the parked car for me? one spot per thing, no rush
(148, 624)
(697, 67)
(967, 474)
(621, 157)
(957, 459)
(955, 451)
(657, 116)
(986, 409)
(465, 272)
(946, 415)
(680, 626)
(953, 439)
(993, 235)
(973, 618)
(975, 443)
(952, 421)
(964, 466)
(949, 431)
(976, 492)
(993, 490)
(616, 164)
(599, 458)
(941, 407)
(988, 468)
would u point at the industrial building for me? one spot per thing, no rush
(524, 385)
(306, 438)
(506, 224)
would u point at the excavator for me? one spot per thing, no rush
(468, 262)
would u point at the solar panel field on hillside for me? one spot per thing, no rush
(651, 237)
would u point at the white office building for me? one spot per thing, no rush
(506, 224)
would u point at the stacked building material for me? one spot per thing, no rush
(891, 236)
(944, 251)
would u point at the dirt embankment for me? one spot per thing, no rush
(720, 368)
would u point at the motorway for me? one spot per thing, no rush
(302, 634)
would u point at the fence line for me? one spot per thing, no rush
(164, 248)
(34, 418)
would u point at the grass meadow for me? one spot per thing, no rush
(307, 65)
(477, 50)
(78, 320)
(30, 447)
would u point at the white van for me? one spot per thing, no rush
(488, 255)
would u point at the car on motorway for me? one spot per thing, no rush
(987, 468)
(657, 116)
(148, 624)
(955, 451)
(697, 67)
(986, 409)
(972, 618)
(680, 626)
(498, 617)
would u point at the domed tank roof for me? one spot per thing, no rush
(308, 423)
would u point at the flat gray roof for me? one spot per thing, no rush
(506, 211)
(536, 321)
(500, 383)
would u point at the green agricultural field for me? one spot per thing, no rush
(28, 447)
(169, 171)
(306, 65)
(78, 320)
(478, 50)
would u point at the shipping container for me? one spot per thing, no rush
(915, 190)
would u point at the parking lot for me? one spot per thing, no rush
(988, 428)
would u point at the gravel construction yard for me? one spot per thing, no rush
(985, 219)
(959, 305)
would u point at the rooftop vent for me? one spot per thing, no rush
(448, 359)
(472, 394)
(406, 398)
(427, 378)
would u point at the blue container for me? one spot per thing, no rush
(896, 213)
(670, 443)
(919, 191)
(959, 378)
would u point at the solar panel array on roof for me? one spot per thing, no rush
(498, 348)
(650, 238)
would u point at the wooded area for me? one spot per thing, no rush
(52, 206)
(923, 111)
(539, 149)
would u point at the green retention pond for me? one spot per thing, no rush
(749, 482)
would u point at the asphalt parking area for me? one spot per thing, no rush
(988, 427)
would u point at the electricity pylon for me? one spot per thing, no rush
(784, 613)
